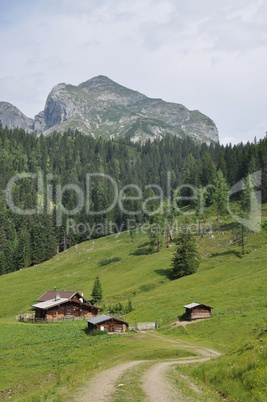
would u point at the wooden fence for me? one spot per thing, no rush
(30, 317)
(144, 326)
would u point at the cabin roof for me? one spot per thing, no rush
(194, 304)
(51, 294)
(51, 298)
(50, 303)
(102, 318)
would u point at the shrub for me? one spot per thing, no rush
(108, 261)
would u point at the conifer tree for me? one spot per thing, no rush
(97, 293)
(129, 307)
(185, 261)
(250, 203)
(219, 195)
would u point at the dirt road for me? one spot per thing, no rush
(101, 387)
(155, 384)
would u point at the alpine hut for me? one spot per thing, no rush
(106, 322)
(65, 304)
(194, 311)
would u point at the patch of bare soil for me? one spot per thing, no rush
(101, 387)
(184, 323)
(156, 387)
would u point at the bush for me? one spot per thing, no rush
(118, 308)
(109, 261)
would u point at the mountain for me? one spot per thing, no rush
(12, 117)
(101, 107)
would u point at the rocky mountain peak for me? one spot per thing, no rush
(12, 117)
(99, 81)
(102, 107)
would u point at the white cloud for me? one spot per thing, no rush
(11, 88)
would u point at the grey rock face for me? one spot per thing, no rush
(12, 117)
(101, 107)
(39, 122)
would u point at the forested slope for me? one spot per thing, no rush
(63, 160)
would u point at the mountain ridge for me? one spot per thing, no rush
(103, 108)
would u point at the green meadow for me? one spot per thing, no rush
(52, 361)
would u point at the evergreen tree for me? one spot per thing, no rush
(23, 253)
(208, 170)
(208, 174)
(38, 244)
(97, 293)
(185, 260)
(250, 204)
(129, 306)
(219, 196)
(3, 263)
(190, 179)
(199, 204)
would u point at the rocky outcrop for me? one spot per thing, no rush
(101, 107)
(12, 117)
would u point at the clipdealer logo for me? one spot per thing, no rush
(50, 198)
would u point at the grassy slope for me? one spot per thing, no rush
(225, 281)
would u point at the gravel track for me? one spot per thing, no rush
(101, 387)
(155, 384)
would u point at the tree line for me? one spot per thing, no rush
(26, 240)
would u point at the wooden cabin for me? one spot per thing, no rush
(195, 311)
(106, 322)
(55, 305)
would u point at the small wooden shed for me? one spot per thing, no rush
(106, 322)
(195, 311)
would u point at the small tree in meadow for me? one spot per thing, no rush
(97, 293)
(186, 259)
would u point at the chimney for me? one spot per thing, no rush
(57, 297)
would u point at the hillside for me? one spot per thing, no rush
(102, 108)
(235, 287)
(71, 158)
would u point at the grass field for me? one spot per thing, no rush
(50, 361)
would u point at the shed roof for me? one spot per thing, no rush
(102, 318)
(192, 305)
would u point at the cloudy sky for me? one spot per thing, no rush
(209, 55)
